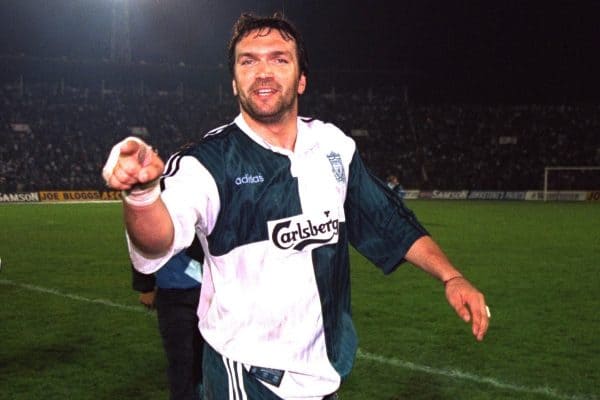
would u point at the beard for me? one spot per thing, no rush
(273, 112)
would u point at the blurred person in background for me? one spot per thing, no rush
(174, 291)
(394, 184)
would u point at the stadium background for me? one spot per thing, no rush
(446, 96)
(459, 99)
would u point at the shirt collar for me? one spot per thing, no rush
(305, 141)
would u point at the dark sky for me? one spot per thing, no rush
(550, 46)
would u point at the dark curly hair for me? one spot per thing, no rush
(247, 23)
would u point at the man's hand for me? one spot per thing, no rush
(132, 164)
(469, 304)
(134, 168)
(147, 299)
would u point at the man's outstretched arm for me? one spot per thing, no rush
(467, 301)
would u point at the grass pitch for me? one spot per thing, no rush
(71, 327)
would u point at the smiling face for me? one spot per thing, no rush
(267, 78)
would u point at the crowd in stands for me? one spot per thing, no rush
(56, 137)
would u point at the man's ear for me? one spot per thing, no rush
(234, 87)
(302, 84)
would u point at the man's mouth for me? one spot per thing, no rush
(265, 91)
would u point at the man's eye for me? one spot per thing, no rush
(246, 61)
(281, 60)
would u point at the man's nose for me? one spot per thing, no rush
(264, 70)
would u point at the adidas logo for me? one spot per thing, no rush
(249, 179)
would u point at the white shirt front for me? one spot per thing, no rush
(260, 303)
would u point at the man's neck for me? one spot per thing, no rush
(281, 134)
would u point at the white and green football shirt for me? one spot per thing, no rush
(276, 226)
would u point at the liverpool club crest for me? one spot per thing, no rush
(337, 167)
